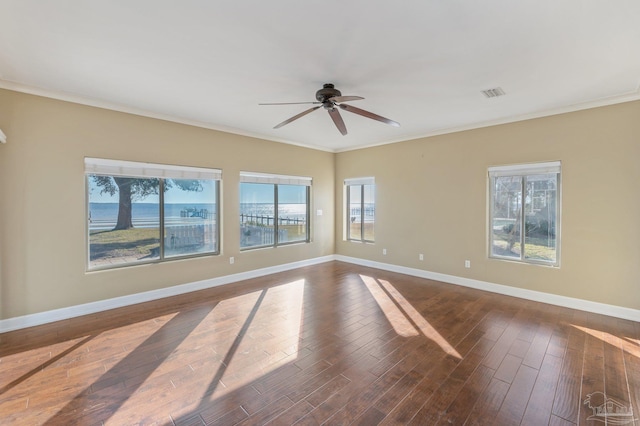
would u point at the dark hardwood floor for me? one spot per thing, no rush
(328, 344)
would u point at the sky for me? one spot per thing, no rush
(263, 193)
(249, 193)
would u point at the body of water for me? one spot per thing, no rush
(293, 211)
(103, 215)
(109, 211)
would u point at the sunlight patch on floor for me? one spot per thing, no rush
(31, 362)
(261, 338)
(394, 315)
(624, 344)
(72, 359)
(633, 341)
(261, 349)
(419, 320)
(402, 316)
(234, 344)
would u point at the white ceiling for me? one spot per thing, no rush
(422, 63)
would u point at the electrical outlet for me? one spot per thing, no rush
(384, 252)
(319, 212)
(232, 260)
(467, 264)
(421, 256)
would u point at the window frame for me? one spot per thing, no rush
(361, 182)
(524, 172)
(275, 181)
(162, 172)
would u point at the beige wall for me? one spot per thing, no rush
(432, 199)
(42, 192)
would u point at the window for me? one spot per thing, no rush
(525, 212)
(130, 205)
(274, 210)
(361, 209)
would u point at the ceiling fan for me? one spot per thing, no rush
(331, 99)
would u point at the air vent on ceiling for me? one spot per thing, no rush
(493, 93)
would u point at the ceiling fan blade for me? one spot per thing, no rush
(346, 98)
(337, 120)
(291, 103)
(369, 115)
(295, 117)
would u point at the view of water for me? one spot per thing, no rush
(109, 211)
(298, 211)
(100, 212)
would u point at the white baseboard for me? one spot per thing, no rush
(537, 296)
(40, 318)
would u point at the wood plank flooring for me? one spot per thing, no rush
(331, 344)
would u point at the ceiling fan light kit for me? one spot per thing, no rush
(331, 99)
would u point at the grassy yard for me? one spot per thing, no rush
(135, 242)
(143, 243)
(536, 248)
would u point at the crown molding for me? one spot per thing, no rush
(82, 100)
(602, 102)
(78, 99)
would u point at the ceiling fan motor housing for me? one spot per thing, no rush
(331, 98)
(328, 91)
